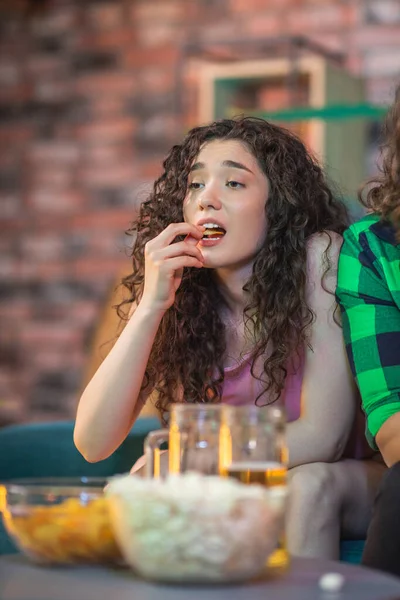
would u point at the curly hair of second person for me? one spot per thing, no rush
(190, 344)
(382, 192)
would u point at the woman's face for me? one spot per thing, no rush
(227, 190)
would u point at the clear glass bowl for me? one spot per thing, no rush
(60, 521)
(193, 528)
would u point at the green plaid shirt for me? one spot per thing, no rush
(368, 293)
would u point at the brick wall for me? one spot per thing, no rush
(88, 107)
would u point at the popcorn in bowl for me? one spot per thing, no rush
(195, 528)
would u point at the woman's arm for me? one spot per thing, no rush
(111, 401)
(328, 395)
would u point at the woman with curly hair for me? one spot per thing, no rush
(232, 300)
(369, 296)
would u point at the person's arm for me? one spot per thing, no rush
(388, 438)
(111, 402)
(328, 395)
(371, 328)
(113, 399)
(109, 328)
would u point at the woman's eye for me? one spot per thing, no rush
(235, 185)
(195, 185)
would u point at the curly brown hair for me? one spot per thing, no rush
(189, 346)
(381, 194)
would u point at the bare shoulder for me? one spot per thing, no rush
(323, 251)
(325, 242)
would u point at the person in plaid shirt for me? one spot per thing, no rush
(368, 293)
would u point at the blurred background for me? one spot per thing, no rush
(93, 94)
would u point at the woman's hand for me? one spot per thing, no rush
(165, 261)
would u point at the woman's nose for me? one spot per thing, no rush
(209, 198)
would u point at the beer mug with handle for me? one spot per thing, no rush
(253, 450)
(193, 438)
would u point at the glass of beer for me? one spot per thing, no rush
(253, 450)
(193, 440)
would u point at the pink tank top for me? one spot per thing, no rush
(240, 388)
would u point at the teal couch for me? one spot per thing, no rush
(48, 450)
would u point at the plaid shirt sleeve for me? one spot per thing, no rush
(371, 328)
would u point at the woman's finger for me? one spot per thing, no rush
(167, 236)
(178, 249)
(180, 262)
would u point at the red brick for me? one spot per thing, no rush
(107, 176)
(58, 177)
(10, 205)
(29, 271)
(10, 73)
(118, 38)
(373, 37)
(43, 65)
(107, 244)
(44, 334)
(52, 358)
(260, 25)
(62, 20)
(109, 84)
(106, 16)
(14, 225)
(16, 311)
(15, 135)
(107, 131)
(82, 312)
(257, 6)
(107, 106)
(57, 151)
(42, 247)
(110, 154)
(160, 33)
(166, 54)
(151, 169)
(161, 10)
(56, 202)
(224, 30)
(311, 18)
(155, 80)
(9, 159)
(92, 268)
(16, 93)
(8, 267)
(109, 220)
(52, 90)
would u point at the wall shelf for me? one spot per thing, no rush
(327, 109)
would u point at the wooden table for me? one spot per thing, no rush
(20, 580)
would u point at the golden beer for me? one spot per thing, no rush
(268, 474)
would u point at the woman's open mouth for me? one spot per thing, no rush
(212, 235)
